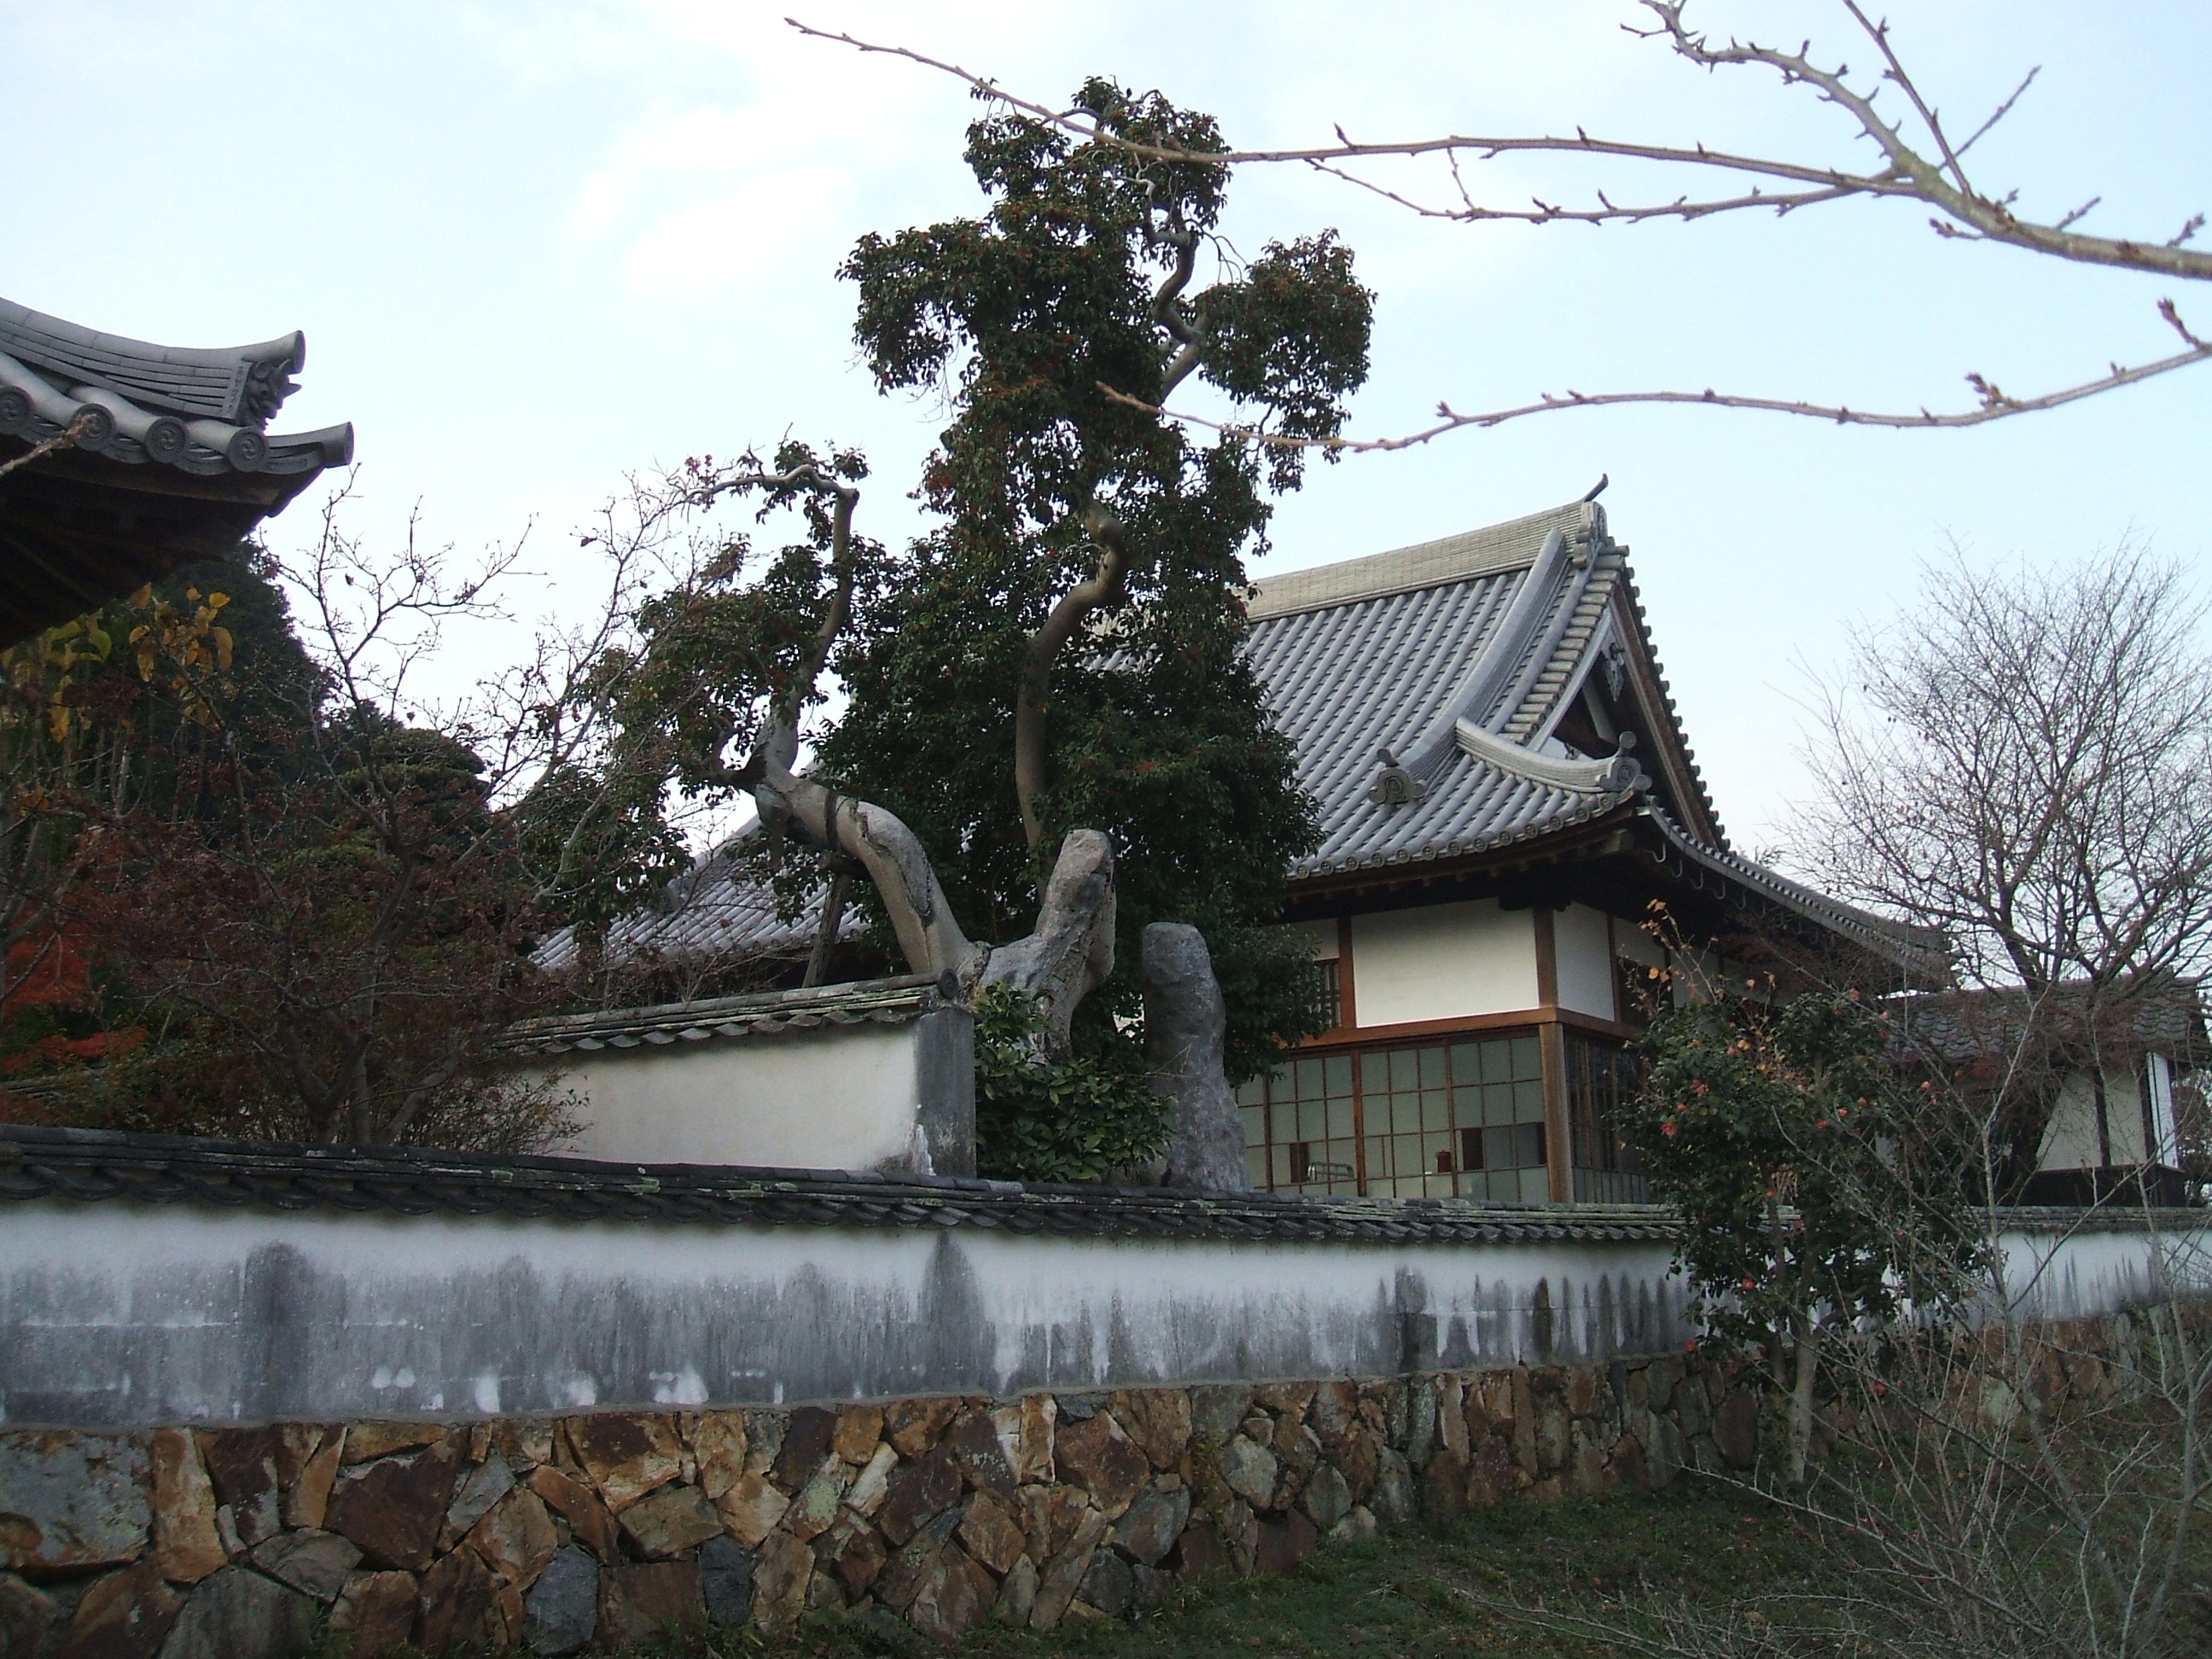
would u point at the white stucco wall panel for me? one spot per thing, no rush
(118, 1315)
(1443, 961)
(1583, 948)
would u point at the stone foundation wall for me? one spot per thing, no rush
(944, 1512)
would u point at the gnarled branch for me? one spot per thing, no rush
(1104, 586)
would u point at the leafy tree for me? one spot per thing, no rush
(1796, 1161)
(1063, 649)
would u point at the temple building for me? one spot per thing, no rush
(121, 460)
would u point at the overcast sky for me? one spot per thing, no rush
(539, 244)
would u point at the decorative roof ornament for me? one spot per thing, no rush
(1394, 785)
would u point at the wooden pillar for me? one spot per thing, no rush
(1551, 1038)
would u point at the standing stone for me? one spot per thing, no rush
(1327, 1498)
(918, 1494)
(719, 1447)
(307, 1492)
(954, 1598)
(1393, 1498)
(562, 1607)
(983, 1460)
(376, 1612)
(779, 1578)
(394, 1508)
(807, 1440)
(1017, 1595)
(238, 1614)
(992, 1534)
(855, 1553)
(1185, 1021)
(184, 1538)
(1025, 1435)
(816, 1506)
(859, 1429)
(1158, 1420)
(1107, 1585)
(752, 1509)
(872, 1483)
(71, 1500)
(1063, 1575)
(124, 1616)
(1249, 1470)
(316, 1563)
(1150, 1528)
(726, 1580)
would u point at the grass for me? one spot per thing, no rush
(1414, 1594)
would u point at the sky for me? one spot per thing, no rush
(537, 246)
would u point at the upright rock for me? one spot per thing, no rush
(1185, 1021)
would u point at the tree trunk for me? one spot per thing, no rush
(1185, 1021)
(1808, 1333)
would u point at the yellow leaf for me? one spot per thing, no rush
(141, 599)
(145, 663)
(223, 647)
(216, 601)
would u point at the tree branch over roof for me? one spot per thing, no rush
(1919, 163)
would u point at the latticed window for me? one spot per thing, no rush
(1440, 1120)
(1602, 1078)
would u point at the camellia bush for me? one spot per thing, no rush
(1814, 1198)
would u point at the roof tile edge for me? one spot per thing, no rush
(1425, 564)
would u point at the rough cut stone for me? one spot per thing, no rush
(1026, 1436)
(870, 1487)
(953, 1597)
(719, 1447)
(672, 1521)
(561, 1610)
(1217, 1408)
(26, 1618)
(71, 1500)
(476, 1492)
(1157, 1420)
(367, 1442)
(918, 1492)
(983, 1461)
(1063, 1575)
(1393, 1497)
(459, 1594)
(853, 1554)
(1107, 1584)
(580, 1506)
(309, 1470)
(764, 1436)
(807, 1440)
(376, 1613)
(779, 1580)
(726, 1581)
(124, 1616)
(1185, 1021)
(316, 1563)
(1282, 1545)
(1251, 1471)
(1149, 1528)
(242, 1464)
(525, 1443)
(1101, 1459)
(992, 1534)
(394, 1508)
(1199, 1553)
(913, 1425)
(184, 1538)
(1050, 1516)
(1327, 1498)
(1358, 1459)
(627, 1454)
(649, 1599)
(1736, 1430)
(859, 1429)
(816, 1506)
(751, 1508)
(238, 1614)
(517, 1538)
(1356, 1527)
(1335, 1411)
(1017, 1595)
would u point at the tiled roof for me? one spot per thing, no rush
(716, 911)
(203, 411)
(872, 1001)
(93, 1166)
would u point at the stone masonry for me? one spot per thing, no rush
(944, 1512)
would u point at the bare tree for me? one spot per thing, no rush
(1917, 159)
(2018, 762)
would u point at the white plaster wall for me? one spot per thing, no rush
(118, 1315)
(840, 1097)
(2166, 1145)
(1583, 950)
(1441, 962)
(2069, 1139)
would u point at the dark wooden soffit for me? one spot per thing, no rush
(77, 531)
